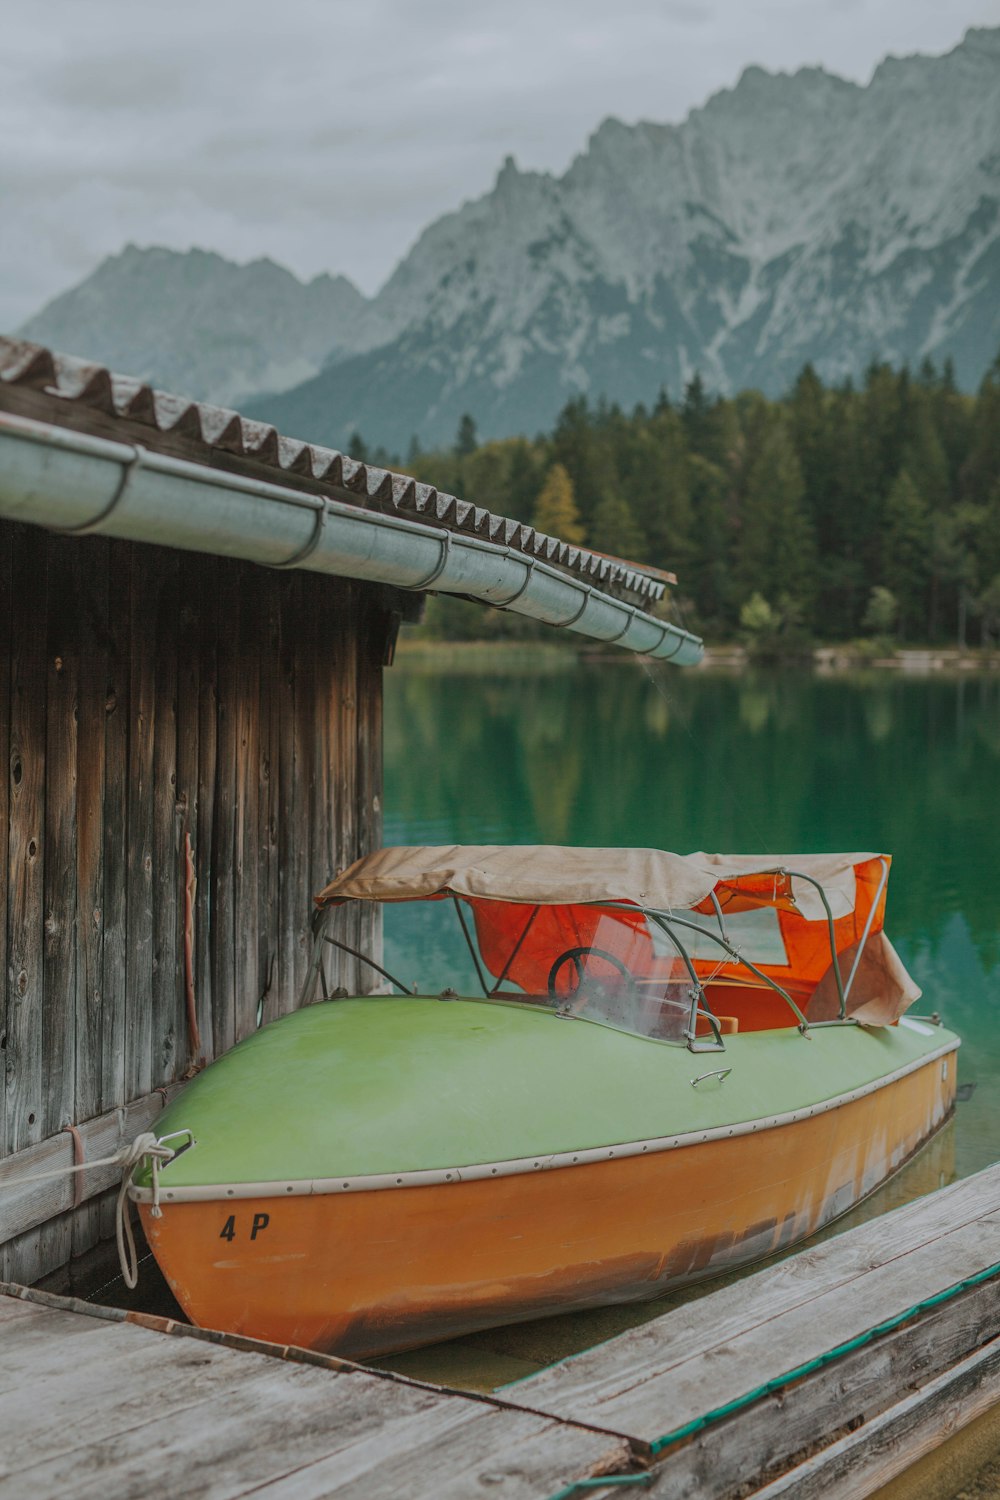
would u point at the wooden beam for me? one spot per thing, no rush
(861, 1462)
(92, 586)
(25, 1207)
(60, 880)
(769, 1437)
(24, 1039)
(6, 771)
(141, 804)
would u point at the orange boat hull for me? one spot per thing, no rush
(361, 1274)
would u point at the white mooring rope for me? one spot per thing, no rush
(144, 1145)
(128, 1158)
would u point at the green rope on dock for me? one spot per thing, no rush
(819, 1362)
(599, 1484)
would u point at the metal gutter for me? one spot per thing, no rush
(79, 484)
(47, 386)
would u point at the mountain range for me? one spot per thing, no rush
(795, 217)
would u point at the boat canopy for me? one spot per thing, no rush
(561, 875)
(816, 906)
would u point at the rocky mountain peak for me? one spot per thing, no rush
(793, 217)
(195, 322)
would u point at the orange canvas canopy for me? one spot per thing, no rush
(531, 903)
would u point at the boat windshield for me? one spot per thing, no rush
(619, 966)
(612, 965)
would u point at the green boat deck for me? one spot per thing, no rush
(400, 1084)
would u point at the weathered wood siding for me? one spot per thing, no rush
(145, 696)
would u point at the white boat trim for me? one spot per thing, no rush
(441, 1176)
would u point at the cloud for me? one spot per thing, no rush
(327, 134)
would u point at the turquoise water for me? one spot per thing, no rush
(779, 763)
(775, 763)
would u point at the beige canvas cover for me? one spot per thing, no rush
(553, 874)
(499, 880)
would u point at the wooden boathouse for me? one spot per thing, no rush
(195, 615)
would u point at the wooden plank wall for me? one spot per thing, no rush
(147, 696)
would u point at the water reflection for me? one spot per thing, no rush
(603, 754)
(762, 763)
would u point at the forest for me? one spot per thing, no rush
(858, 511)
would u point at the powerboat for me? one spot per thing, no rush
(676, 1065)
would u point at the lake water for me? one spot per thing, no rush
(544, 749)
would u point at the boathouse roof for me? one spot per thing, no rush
(70, 392)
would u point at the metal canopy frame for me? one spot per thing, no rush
(668, 922)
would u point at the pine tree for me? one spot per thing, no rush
(709, 574)
(586, 455)
(881, 611)
(524, 479)
(555, 509)
(486, 476)
(776, 554)
(615, 529)
(982, 465)
(847, 570)
(651, 459)
(924, 457)
(695, 416)
(907, 539)
(466, 440)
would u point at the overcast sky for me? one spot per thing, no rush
(327, 134)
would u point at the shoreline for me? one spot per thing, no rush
(548, 656)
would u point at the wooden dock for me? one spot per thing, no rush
(98, 1404)
(827, 1374)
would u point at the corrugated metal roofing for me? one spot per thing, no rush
(67, 391)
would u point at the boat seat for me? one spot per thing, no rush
(728, 1025)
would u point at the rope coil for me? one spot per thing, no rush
(144, 1145)
(128, 1157)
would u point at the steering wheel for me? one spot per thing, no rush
(577, 956)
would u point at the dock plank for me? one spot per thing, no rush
(652, 1379)
(181, 1414)
(238, 1432)
(36, 1349)
(516, 1455)
(140, 1386)
(11, 1309)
